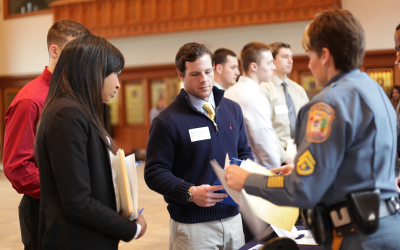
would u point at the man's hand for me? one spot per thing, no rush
(235, 177)
(140, 220)
(284, 170)
(204, 195)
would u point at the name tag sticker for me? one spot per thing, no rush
(281, 109)
(199, 134)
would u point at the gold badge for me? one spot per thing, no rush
(319, 125)
(276, 182)
(305, 164)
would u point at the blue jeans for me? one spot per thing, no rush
(29, 221)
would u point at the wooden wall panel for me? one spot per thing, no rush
(116, 18)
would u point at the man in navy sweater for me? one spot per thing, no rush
(199, 126)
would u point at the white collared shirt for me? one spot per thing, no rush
(197, 103)
(257, 119)
(275, 93)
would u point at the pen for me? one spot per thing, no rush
(141, 210)
(137, 163)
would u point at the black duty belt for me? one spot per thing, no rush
(389, 207)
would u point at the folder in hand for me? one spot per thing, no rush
(228, 200)
(127, 184)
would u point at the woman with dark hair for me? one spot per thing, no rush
(395, 96)
(78, 202)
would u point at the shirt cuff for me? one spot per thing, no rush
(138, 230)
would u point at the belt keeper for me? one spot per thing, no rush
(393, 205)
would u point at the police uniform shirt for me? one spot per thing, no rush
(346, 141)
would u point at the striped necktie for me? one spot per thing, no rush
(210, 110)
(290, 106)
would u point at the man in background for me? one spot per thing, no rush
(154, 111)
(21, 121)
(226, 68)
(286, 98)
(257, 66)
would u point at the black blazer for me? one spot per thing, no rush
(77, 205)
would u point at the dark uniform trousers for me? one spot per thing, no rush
(386, 237)
(29, 221)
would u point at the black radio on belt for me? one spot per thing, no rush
(317, 221)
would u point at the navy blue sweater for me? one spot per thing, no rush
(174, 163)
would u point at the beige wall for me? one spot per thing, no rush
(23, 40)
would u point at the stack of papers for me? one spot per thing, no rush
(126, 183)
(253, 207)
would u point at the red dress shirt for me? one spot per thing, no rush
(21, 123)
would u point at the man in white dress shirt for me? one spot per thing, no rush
(286, 98)
(257, 66)
(226, 68)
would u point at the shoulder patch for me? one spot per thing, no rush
(305, 163)
(319, 125)
(276, 182)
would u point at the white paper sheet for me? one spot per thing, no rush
(235, 195)
(133, 184)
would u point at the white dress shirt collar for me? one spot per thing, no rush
(250, 83)
(278, 81)
(197, 103)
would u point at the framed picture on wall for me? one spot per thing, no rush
(21, 8)
(134, 102)
(307, 80)
(174, 86)
(384, 77)
(157, 91)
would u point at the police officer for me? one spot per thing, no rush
(346, 141)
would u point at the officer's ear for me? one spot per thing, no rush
(326, 57)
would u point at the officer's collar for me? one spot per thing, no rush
(335, 78)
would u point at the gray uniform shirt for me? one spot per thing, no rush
(346, 142)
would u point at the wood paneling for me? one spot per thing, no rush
(116, 18)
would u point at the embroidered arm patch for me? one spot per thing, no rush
(276, 182)
(319, 125)
(305, 164)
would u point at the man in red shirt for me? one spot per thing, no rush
(21, 120)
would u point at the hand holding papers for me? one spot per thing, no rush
(206, 195)
(127, 183)
(283, 217)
